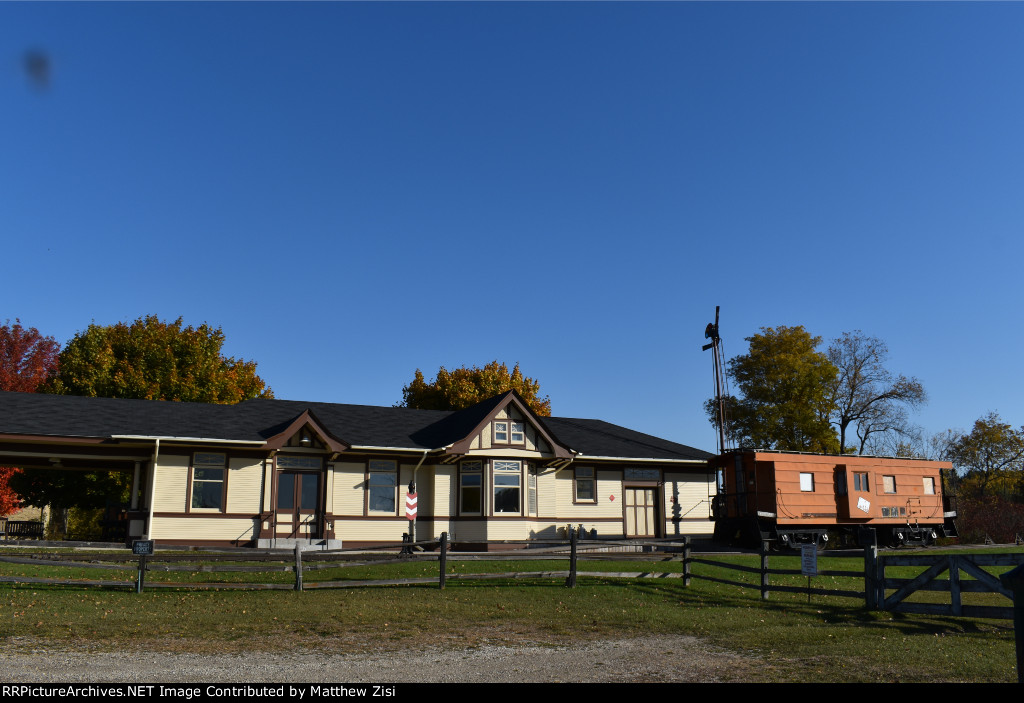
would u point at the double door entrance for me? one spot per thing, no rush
(298, 501)
(641, 507)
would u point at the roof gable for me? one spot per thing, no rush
(486, 412)
(309, 426)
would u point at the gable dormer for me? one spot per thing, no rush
(306, 432)
(510, 428)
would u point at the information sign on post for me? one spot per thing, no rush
(809, 559)
(142, 548)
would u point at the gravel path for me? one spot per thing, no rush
(649, 659)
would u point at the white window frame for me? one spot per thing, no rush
(517, 436)
(501, 435)
(505, 470)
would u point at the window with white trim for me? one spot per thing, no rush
(531, 490)
(382, 486)
(508, 478)
(509, 432)
(209, 471)
(471, 474)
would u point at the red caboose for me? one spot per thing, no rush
(792, 497)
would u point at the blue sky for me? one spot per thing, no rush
(356, 190)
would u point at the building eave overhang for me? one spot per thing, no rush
(636, 459)
(190, 440)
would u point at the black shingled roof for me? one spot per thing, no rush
(257, 420)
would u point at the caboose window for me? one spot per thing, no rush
(889, 484)
(929, 485)
(807, 482)
(860, 482)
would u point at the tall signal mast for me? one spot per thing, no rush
(715, 345)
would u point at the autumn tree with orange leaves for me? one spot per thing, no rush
(27, 360)
(461, 388)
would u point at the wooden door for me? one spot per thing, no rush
(641, 507)
(298, 497)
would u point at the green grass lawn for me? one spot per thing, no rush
(829, 639)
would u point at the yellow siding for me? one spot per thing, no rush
(329, 489)
(348, 488)
(245, 478)
(370, 530)
(171, 484)
(546, 493)
(425, 491)
(503, 452)
(692, 504)
(445, 486)
(609, 483)
(197, 527)
(268, 480)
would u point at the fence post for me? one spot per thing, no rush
(443, 561)
(686, 561)
(954, 585)
(298, 566)
(1014, 580)
(142, 574)
(879, 580)
(870, 585)
(869, 538)
(764, 570)
(571, 581)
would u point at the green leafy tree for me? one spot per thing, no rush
(990, 458)
(461, 388)
(785, 400)
(147, 359)
(155, 360)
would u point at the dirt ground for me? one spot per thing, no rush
(664, 658)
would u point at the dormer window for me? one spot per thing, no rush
(509, 432)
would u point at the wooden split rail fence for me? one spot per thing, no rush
(881, 591)
(301, 563)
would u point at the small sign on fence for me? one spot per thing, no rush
(809, 559)
(142, 547)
